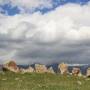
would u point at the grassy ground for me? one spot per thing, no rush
(11, 81)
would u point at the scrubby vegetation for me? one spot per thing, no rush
(16, 81)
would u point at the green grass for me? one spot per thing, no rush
(12, 81)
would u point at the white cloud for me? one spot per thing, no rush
(53, 32)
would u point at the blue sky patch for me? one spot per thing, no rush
(7, 8)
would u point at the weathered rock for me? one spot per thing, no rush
(63, 68)
(11, 66)
(50, 70)
(28, 70)
(76, 72)
(40, 68)
(88, 72)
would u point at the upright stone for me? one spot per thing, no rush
(50, 70)
(11, 66)
(88, 72)
(39, 68)
(63, 68)
(76, 72)
(28, 70)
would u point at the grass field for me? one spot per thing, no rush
(11, 81)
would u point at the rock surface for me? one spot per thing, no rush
(76, 72)
(28, 70)
(50, 70)
(39, 68)
(11, 66)
(63, 68)
(88, 72)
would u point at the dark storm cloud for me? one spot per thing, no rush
(55, 53)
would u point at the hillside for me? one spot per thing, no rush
(12, 81)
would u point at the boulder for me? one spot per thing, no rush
(76, 72)
(88, 72)
(39, 68)
(63, 68)
(28, 70)
(50, 70)
(11, 66)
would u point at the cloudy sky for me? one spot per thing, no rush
(45, 31)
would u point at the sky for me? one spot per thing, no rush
(45, 31)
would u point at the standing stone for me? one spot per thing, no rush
(40, 68)
(50, 70)
(28, 70)
(76, 72)
(11, 66)
(63, 68)
(88, 72)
